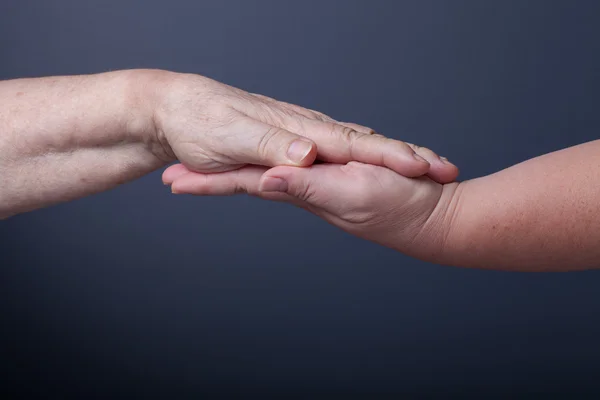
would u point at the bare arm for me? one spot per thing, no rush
(542, 214)
(65, 137)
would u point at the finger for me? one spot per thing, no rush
(341, 144)
(441, 170)
(173, 172)
(242, 181)
(256, 142)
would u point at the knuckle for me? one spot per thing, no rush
(305, 192)
(348, 136)
(403, 146)
(420, 149)
(320, 116)
(346, 133)
(412, 146)
(361, 128)
(427, 151)
(265, 143)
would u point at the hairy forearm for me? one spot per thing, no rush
(540, 215)
(66, 137)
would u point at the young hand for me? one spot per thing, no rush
(371, 202)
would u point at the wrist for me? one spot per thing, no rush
(146, 93)
(436, 237)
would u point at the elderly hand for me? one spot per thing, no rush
(211, 127)
(67, 137)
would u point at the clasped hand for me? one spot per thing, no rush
(374, 187)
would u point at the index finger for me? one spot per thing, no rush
(340, 144)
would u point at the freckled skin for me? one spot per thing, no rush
(542, 214)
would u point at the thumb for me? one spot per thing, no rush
(318, 185)
(255, 142)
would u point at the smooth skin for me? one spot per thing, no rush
(539, 215)
(66, 137)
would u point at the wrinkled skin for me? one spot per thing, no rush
(212, 127)
(72, 136)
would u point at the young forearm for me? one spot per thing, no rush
(66, 137)
(542, 214)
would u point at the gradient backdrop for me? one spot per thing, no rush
(138, 291)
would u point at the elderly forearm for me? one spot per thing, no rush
(542, 214)
(66, 137)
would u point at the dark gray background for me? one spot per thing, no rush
(140, 291)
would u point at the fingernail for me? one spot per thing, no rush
(419, 158)
(272, 184)
(174, 191)
(298, 150)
